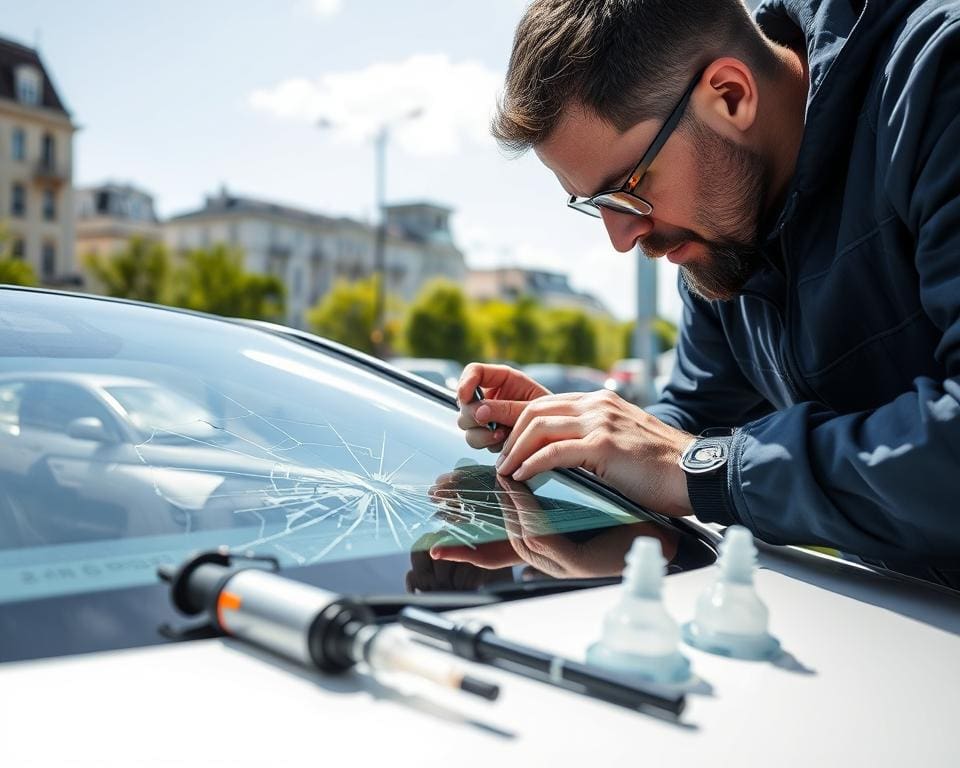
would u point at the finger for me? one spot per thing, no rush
(523, 507)
(481, 375)
(441, 493)
(565, 453)
(540, 431)
(481, 437)
(549, 405)
(539, 551)
(500, 411)
(495, 554)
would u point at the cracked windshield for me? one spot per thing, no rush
(121, 450)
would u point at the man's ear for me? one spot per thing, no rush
(727, 98)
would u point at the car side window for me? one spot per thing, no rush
(51, 406)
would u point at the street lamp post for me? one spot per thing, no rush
(645, 344)
(380, 140)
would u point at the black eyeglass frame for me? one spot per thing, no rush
(591, 205)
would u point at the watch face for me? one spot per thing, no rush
(704, 456)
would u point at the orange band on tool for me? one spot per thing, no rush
(227, 601)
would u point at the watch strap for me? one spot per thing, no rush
(709, 492)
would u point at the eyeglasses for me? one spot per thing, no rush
(622, 200)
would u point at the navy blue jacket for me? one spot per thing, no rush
(840, 365)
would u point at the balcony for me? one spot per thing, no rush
(51, 172)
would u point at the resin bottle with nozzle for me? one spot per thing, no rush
(731, 620)
(639, 636)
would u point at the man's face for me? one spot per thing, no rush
(707, 194)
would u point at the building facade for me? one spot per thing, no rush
(36, 167)
(309, 251)
(551, 289)
(109, 215)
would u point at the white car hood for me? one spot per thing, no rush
(875, 682)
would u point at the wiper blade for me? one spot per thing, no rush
(387, 607)
(539, 587)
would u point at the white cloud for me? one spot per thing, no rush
(457, 99)
(325, 8)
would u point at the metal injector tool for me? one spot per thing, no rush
(309, 625)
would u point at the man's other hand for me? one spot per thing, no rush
(505, 387)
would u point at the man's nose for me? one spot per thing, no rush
(624, 229)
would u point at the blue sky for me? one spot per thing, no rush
(181, 97)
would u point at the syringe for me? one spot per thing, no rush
(309, 625)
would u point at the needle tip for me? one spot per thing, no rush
(480, 688)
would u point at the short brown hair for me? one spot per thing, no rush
(627, 60)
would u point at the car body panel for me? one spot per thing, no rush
(857, 691)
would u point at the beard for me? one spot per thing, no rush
(734, 184)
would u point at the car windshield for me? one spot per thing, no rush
(131, 437)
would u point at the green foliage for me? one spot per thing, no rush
(13, 271)
(214, 280)
(347, 314)
(207, 280)
(142, 271)
(527, 332)
(664, 330)
(439, 324)
(16, 272)
(571, 337)
(666, 333)
(510, 331)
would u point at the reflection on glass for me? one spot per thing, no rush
(553, 537)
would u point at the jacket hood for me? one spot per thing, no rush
(842, 39)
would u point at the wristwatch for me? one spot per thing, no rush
(705, 464)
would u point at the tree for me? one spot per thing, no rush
(527, 331)
(16, 272)
(572, 337)
(439, 324)
(347, 314)
(511, 331)
(142, 271)
(214, 280)
(13, 271)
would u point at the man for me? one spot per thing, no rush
(803, 171)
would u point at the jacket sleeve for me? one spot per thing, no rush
(883, 483)
(707, 388)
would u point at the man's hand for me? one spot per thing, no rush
(623, 445)
(510, 388)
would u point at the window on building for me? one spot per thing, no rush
(19, 250)
(103, 202)
(48, 260)
(29, 83)
(18, 145)
(49, 205)
(49, 152)
(18, 200)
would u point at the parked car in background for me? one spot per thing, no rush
(443, 373)
(628, 378)
(566, 378)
